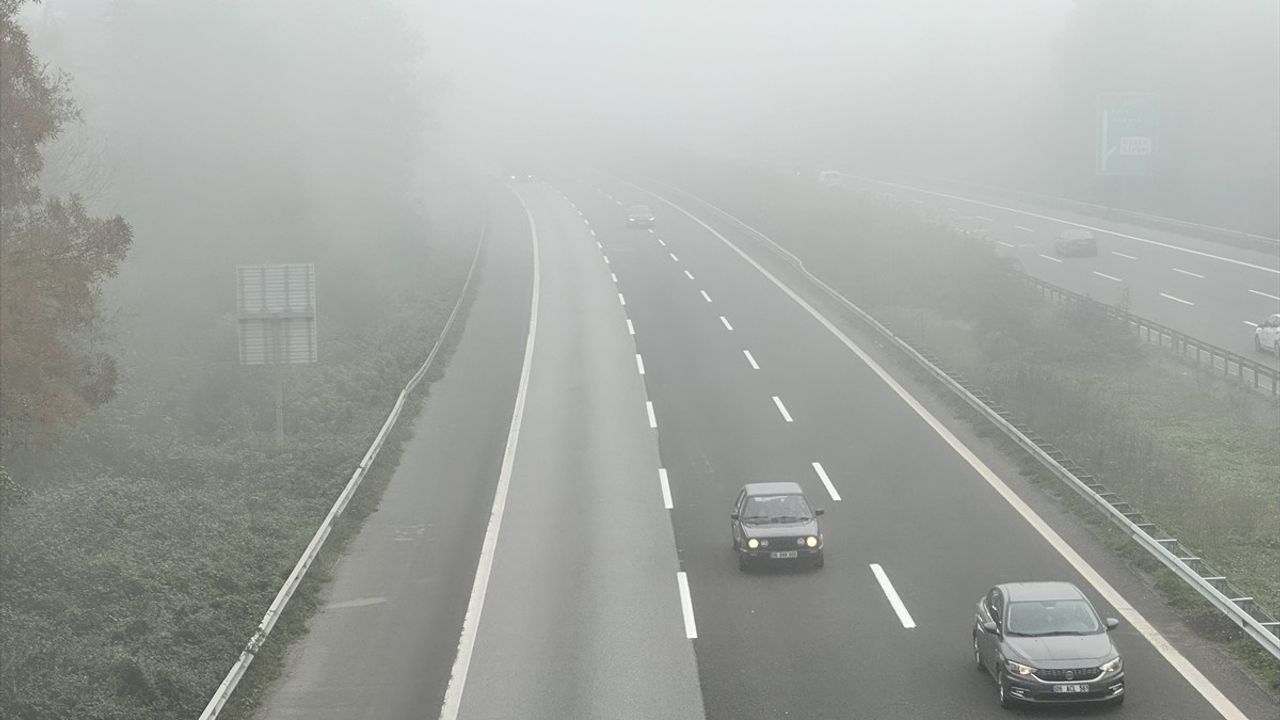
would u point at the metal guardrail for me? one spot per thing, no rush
(251, 648)
(1239, 608)
(1204, 355)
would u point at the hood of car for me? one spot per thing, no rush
(771, 530)
(1060, 650)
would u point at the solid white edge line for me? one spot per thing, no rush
(686, 606)
(1026, 213)
(1126, 257)
(631, 329)
(1265, 295)
(751, 360)
(639, 364)
(480, 586)
(826, 481)
(648, 408)
(903, 616)
(782, 408)
(1167, 296)
(705, 296)
(666, 489)
(727, 326)
(688, 274)
(1188, 272)
(1046, 257)
(1108, 277)
(1176, 659)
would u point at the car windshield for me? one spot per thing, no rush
(776, 509)
(1052, 617)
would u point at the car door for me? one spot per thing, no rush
(735, 524)
(988, 643)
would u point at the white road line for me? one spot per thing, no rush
(648, 408)
(639, 363)
(751, 360)
(593, 232)
(1047, 257)
(1112, 278)
(631, 329)
(903, 616)
(688, 274)
(650, 231)
(782, 408)
(666, 489)
(619, 202)
(1120, 254)
(705, 296)
(661, 242)
(826, 481)
(613, 277)
(686, 606)
(586, 222)
(599, 245)
(1265, 295)
(621, 300)
(1001, 242)
(1023, 228)
(1188, 272)
(983, 218)
(673, 257)
(1250, 324)
(1176, 659)
(606, 259)
(727, 326)
(1025, 213)
(480, 585)
(1176, 299)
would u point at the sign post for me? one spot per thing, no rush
(276, 318)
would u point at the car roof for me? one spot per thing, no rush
(773, 488)
(1041, 591)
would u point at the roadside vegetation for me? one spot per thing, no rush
(147, 515)
(1195, 454)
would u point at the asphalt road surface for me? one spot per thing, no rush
(664, 371)
(1211, 291)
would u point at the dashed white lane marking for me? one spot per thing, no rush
(662, 242)
(593, 232)
(705, 296)
(621, 300)
(686, 606)
(903, 616)
(1120, 254)
(688, 274)
(751, 360)
(484, 566)
(650, 231)
(666, 489)
(599, 245)
(1265, 295)
(1001, 242)
(606, 259)
(1167, 296)
(727, 326)
(648, 408)
(826, 481)
(358, 602)
(1023, 228)
(631, 329)
(983, 218)
(639, 363)
(782, 408)
(1188, 272)
(1047, 257)
(1250, 324)
(613, 277)
(673, 257)
(619, 202)
(1112, 278)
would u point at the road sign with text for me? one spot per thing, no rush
(1127, 130)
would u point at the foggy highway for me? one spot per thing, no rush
(1208, 290)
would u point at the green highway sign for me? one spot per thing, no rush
(1127, 129)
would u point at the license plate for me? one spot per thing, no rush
(1070, 688)
(784, 554)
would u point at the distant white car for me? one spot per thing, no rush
(1267, 336)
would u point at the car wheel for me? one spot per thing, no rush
(1002, 692)
(977, 654)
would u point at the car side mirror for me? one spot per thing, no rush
(733, 516)
(819, 512)
(990, 627)
(1112, 624)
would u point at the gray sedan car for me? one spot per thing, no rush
(773, 522)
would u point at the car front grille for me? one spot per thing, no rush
(1069, 674)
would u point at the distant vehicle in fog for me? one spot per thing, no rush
(1044, 643)
(1267, 335)
(773, 522)
(1076, 242)
(639, 216)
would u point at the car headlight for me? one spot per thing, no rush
(753, 543)
(1019, 668)
(1111, 665)
(811, 541)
